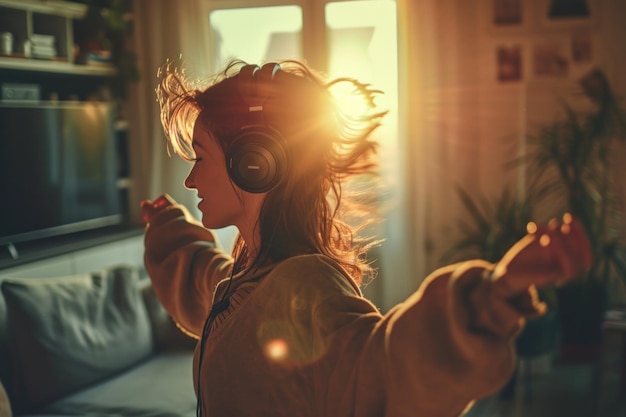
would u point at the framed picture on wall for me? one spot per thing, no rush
(562, 56)
(506, 16)
(582, 47)
(551, 58)
(510, 61)
(568, 13)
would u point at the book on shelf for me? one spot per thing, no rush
(39, 51)
(42, 40)
(98, 59)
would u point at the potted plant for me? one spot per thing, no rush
(569, 163)
(492, 227)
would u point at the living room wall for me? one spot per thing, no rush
(473, 113)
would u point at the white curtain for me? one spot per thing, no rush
(439, 149)
(163, 29)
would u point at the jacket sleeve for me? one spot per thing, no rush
(447, 345)
(441, 348)
(185, 265)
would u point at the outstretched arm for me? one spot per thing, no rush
(452, 341)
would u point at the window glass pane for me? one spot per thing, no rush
(362, 43)
(255, 34)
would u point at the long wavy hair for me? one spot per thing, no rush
(327, 144)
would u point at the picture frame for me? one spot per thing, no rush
(555, 14)
(551, 58)
(562, 56)
(506, 16)
(510, 60)
(582, 46)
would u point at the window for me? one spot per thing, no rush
(255, 34)
(362, 43)
(343, 38)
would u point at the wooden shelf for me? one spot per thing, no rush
(26, 64)
(51, 19)
(59, 8)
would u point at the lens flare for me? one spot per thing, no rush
(276, 349)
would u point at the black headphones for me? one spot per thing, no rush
(256, 158)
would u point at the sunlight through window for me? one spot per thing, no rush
(256, 34)
(362, 43)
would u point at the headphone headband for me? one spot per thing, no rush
(256, 157)
(256, 84)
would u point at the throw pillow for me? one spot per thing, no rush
(66, 333)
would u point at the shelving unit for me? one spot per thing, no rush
(59, 75)
(27, 18)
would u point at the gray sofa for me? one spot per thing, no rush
(97, 344)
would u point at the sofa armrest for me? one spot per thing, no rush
(167, 336)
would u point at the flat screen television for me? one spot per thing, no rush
(58, 170)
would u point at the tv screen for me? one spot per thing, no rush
(57, 169)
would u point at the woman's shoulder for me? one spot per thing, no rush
(315, 270)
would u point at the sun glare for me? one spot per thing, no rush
(349, 100)
(360, 34)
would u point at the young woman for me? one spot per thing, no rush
(282, 326)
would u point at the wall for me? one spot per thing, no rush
(474, 122)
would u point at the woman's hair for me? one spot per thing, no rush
(327, 144)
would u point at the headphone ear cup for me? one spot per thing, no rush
(256, 159)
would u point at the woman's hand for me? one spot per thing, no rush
(548, 254)
(149, 208)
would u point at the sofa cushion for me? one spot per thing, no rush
(159, 387)
(167, 335)
(65, 333)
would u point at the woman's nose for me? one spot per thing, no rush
(189, 183)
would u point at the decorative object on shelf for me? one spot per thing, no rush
(98, 58)
(6, 43)
(28, 49)
(20, 92)
(102, 37)
(41, 46)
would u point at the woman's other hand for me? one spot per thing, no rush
(548, 255)
(149, 208)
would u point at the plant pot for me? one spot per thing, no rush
(539, 336)
(582, 308)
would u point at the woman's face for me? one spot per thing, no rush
(221, 202)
